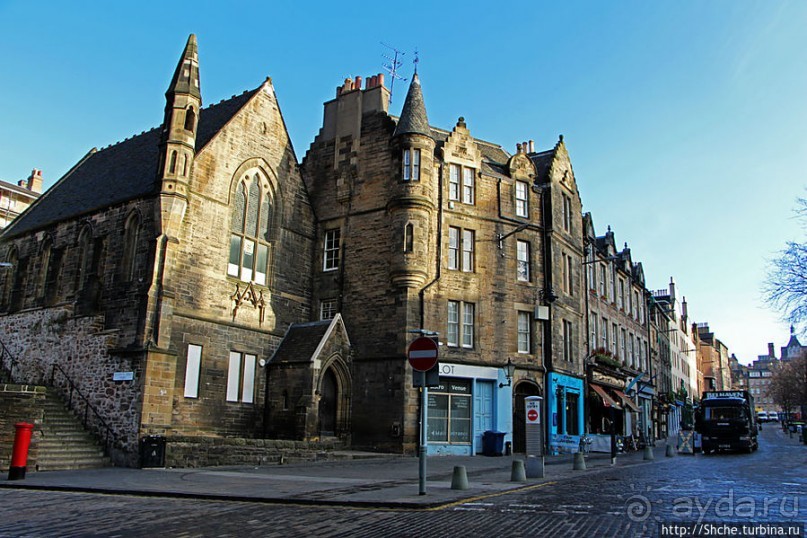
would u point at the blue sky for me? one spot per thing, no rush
(686, 120)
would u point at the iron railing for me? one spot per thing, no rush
(91, 418)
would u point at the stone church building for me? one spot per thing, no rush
(198, 280)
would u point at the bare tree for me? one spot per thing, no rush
(788, 386)
(786, 286)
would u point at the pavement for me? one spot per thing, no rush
(358, 480)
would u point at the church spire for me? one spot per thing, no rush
(183, 101)
(413, 118)
(186, 75)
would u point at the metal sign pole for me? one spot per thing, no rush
(422, 464)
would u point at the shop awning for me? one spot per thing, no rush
(627, 401)
(607, 401)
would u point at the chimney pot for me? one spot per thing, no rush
(357, 83)
(532, 146)
(518, 148)
(381, 79)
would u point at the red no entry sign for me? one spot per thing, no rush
(422, 354)
(532, 415)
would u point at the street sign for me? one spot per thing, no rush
(533, 408)
(422, 354)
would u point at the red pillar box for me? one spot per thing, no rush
(19, 456)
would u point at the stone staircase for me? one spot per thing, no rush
(64, 443)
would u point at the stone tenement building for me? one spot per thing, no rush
(422, 228)
(14, 199)
(195, 281)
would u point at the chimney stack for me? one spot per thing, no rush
(771, 352)
(34, 182)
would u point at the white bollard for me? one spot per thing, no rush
(669, 451)
(648, 452)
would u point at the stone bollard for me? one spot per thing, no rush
(579, 462)
(669, 451)
(460, 478)
(518, 473)
(648, 453)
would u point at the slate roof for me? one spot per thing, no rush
(116, 174)
(301, 341)
(543, 163)
(413, 114)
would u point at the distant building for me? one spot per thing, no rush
(793, 349)
(14, 199)
(620, 377)
(739, 374)
(683, 356)
(714, 359)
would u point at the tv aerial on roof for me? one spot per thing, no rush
(393, 66)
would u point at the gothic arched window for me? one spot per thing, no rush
(84, 259)
(249, 238)
(44, 266)
(8, 272)
(409, 237)
(190, 119)
(172, 164)
(131, 234)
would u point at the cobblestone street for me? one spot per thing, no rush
(767, 486)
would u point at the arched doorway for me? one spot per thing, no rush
(328, 395)
(522, 390)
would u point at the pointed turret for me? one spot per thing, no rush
(413, 118)
(186, 76)
(183, 101)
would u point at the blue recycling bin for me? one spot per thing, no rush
(493, 443)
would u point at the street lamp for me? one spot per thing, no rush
(509, 370)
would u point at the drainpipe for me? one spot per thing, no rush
(549, 297)
(438, 247)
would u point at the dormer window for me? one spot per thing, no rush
(411, 164)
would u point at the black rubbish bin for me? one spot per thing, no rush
(152, 451)
(492, 443)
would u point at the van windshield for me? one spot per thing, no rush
(723, 413)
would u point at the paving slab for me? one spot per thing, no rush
(380, 482)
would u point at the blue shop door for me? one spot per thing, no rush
(483, 411)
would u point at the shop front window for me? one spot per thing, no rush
(450, 412)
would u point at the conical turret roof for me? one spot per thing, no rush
(186, 76)
(413, 118)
